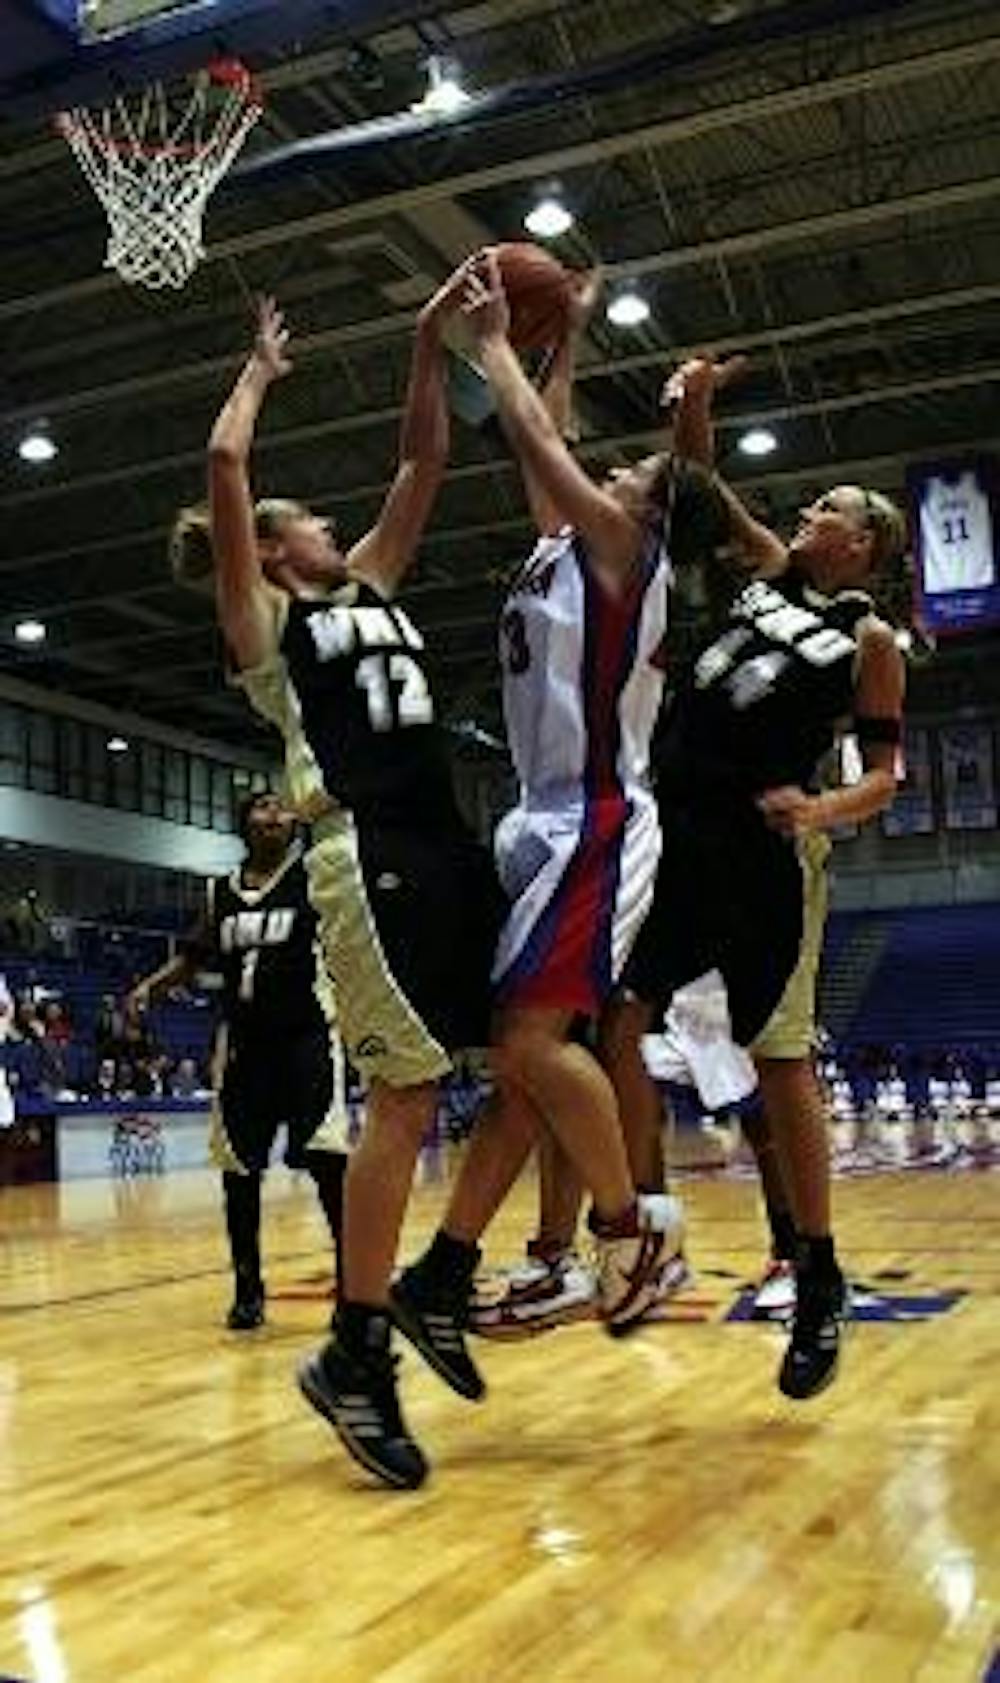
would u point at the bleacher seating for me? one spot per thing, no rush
(937, 983)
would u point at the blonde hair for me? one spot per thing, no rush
(192, 562)
(887, 525)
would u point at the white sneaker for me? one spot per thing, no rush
(628, 1268)
(672, 1277)
(535, 1297)
(494, 1284)
(776, 1294)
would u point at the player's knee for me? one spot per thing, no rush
(405, 1110)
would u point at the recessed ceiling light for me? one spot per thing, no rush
(628, 309)
(548, 218)
(29, 631)
(116, 745)
(37, 446)
(759, 441)
(445, 94)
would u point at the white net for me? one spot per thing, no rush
(154, 165)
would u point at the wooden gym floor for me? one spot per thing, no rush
(171, 1512)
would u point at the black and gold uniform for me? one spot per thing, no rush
(760, 708)
(406, 898)
(274, 1059)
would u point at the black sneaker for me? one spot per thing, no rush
(810, 1362)
(359, 1399)
(433, 1317)
(247, 1312)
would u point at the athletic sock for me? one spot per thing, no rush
(452, 1261)
(362, 1329)
(817, 1256)
(784, 1234)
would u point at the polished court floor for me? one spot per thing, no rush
(170, 1512)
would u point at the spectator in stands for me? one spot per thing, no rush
(57, 1024)
(185, 1082)
(109, 1028)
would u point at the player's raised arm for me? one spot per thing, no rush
(244, 609)
(545, 458)
(555, 387)
(385, 553)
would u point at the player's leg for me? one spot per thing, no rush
(241, 1197)
(317, 1132)
(796, 1112)
(244, 1124)
(394, 916)
(351, 1379)
(775, 1298)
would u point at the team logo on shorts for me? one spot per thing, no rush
(370, 1046)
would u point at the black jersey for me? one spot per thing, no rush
(358, 667)
(761, 704)
(263, 940)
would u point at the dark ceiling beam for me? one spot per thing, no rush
(885, 393)
(537, 166)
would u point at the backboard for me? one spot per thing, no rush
(58, 53)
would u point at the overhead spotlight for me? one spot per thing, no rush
(445, 94)
(116, 745)
(29, 632)
(758, 441)
(38, 446)
(549, 217)
(628, 308)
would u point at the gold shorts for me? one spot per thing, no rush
(791, 1028)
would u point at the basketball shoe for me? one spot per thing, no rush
(431, 1308)
(543, 1292)
(821, 1311)
(630, 1254)
(358, 1396)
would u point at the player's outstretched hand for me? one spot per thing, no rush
(270, 346)
(449, 297)
(484, 301)
(699, 378)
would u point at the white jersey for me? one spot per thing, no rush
(581, 689)
(956, 535)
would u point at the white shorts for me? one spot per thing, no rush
(580, 881)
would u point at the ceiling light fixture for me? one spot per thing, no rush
(116, 745)
(549, 217)
(37, 446)
(445, 94)
(628, 308)
(29, 632)
(758, 441)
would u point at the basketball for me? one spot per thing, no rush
(538, 291)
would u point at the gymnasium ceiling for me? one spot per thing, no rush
(826, 201)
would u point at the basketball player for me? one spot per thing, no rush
(581, 631)
(274, 1058)
(741, 881)
(406, 900)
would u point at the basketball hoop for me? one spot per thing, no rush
(155, 164)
